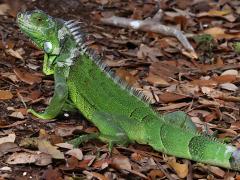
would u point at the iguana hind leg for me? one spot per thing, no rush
(180, 119)
(107, 123)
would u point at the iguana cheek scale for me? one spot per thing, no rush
(121, 113)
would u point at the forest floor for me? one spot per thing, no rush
(205, 86)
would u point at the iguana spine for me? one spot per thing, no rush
(120, 112)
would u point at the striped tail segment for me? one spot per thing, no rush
(194, 146)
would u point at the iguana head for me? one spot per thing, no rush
(42, 29)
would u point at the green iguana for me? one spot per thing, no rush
(121, 113)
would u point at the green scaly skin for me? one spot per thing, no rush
(119, 112)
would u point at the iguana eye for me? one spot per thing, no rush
(47, 47)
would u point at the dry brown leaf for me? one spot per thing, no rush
(157, 81)
(209, 67)
(30, 143)
(156, 173)
(64, 145)
(53, 174)
(212, 92)
(229, 86)
(225, 14)
(210, 117)
(27, 77)
(28, 158)
(181, 169)
(151, 52)
(10, 138)
(203, 82)
(77, 153)
(10, 76)
(220, 33)
(217, 171)
(224, 79)
(126, 76)
(17, 115)
(5, 95)
(15, 54)
(121, 163)
(171, 97)
(66, 130)
(173, 106)
(102, 164)
(46, 147)
(230, 72)
(95, 175)
(8, 147)
(4, 8)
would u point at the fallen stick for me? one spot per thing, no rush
(148, 25)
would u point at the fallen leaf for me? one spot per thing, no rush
(96, 175)
(121, 163)
(52, 174)
(27, 77)
(230, 72)
(156, 173)
(28, 158)
(220, 33)
(77, 153)
(157, 81)
(10, 138)
(229, 87)
(173, 106)
(217, 171)
(8, 147)
(203, 82)
(102, 164)
(5, 95)
(151, 52)
(10, 76)
(210, 117)
(13, 53)
(224, 79)
(126, 76)
(46, 147)
(181, 169)
(210, 67)
(65, 131)
(16, 114)
(4, 8)
(5, 168)
(225, 14)
(171, 97)
(64, 145)
(30, 143)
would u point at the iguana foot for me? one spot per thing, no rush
(43, 116)
(83, 138)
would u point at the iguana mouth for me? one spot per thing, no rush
(22, 21)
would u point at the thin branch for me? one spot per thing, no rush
(148, 25)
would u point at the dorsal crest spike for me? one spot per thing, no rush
(74, 28)
(68, 22)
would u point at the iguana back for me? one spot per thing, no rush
(120, 113)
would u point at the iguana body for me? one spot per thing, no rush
(121, 113)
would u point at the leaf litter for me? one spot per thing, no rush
(207, 88)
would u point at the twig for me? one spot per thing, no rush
(159, 165)
(148, 25)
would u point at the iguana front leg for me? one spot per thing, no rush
(59, 98)
(69, 106)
